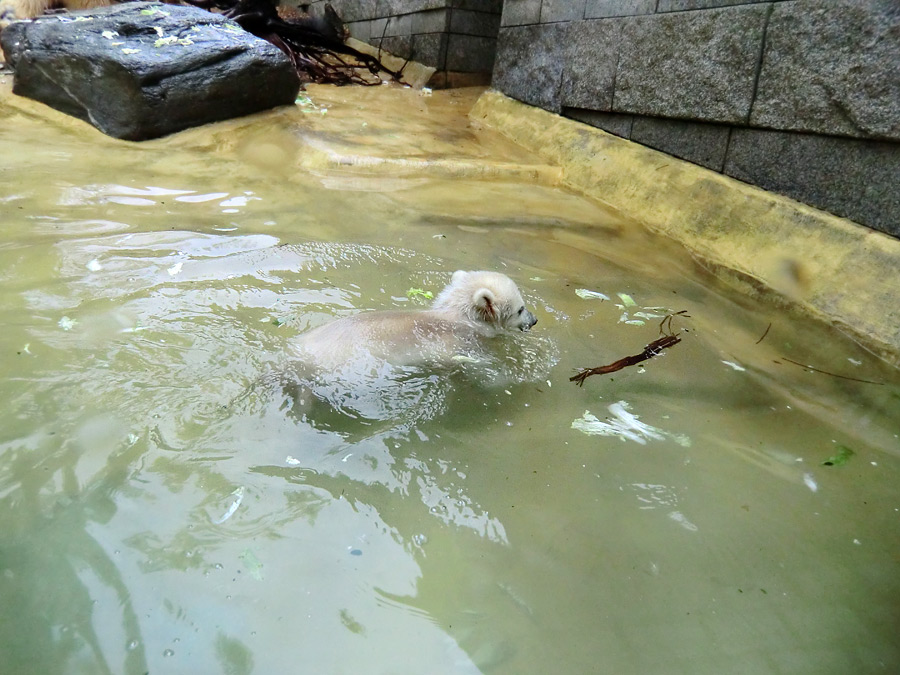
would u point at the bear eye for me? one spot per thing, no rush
(521, 309)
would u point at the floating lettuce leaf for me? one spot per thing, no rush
(840, 457)
(585, 294)
(419, 294)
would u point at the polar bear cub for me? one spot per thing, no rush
(473, 306)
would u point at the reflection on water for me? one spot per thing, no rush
(168, 505)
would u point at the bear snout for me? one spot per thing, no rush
(530, 320)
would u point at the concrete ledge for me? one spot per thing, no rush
(826, 267)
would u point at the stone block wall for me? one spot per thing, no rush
(457, 37)
(801, 97)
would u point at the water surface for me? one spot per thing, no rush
(164, 511)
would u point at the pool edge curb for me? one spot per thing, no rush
(825, 266)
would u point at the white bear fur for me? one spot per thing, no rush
(473, 306)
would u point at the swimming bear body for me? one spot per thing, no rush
(473, 306)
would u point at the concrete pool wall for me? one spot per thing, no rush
(801, 97)
(768, 245)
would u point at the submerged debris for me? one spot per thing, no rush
(830, 374)
(768, 328)
(840, 457)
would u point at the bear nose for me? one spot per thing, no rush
(532, 319)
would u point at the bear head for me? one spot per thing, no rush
(489, 300)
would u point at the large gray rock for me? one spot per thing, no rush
(142, 70)
(832, 67)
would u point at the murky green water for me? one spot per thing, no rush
(164, 512)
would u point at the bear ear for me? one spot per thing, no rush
(485, 304)
(458, 276)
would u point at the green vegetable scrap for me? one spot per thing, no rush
(840, 458)
(627, 300)
(419, 295)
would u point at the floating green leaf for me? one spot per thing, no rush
(840, 457)
(627, 300)
(419, 294)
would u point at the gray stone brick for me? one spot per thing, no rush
(521, 12)
(562, 10)
(529, 64)
(430, 49)
(697, 142)
(399, 25)
(431, 21)
(398, 45)
(600, 9)
(474, 23)
(378, 28)
(832, 67)
(591, 54)
(470, 53)
(348, 10)
(614, 123)
(853, 178)
(693, 65)
(491, 6)
(398, 7)
(682, 5)
(361, 30)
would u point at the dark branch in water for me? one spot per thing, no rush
(825, 372)
(669, 339)
(649, 352)
(768, 328)
(665, 326)
(315, 45)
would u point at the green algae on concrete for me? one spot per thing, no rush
(825, 266)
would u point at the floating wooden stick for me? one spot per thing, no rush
(651, 350)
(668, 339)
